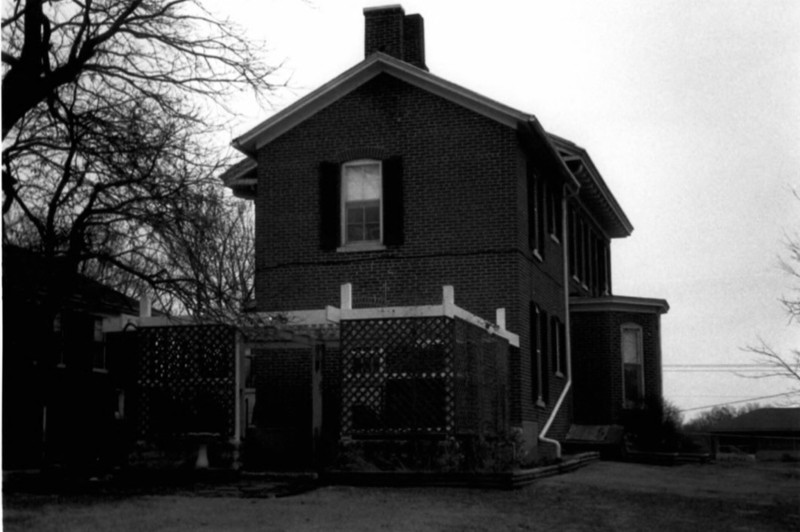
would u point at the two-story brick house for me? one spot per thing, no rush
(399, 182)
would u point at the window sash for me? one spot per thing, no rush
(362, 202)
(632, 366)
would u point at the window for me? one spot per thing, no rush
(554, 213)
(98, 348)
(536, 211)
(536, 354)
(573, 243)
(545, 339)
(361, 202)
(58, 340)
(558, 347)
(632, 366)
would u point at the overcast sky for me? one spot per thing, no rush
(690, 110)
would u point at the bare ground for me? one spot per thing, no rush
(601, 496)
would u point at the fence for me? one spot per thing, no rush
(186, 381)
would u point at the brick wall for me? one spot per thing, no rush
(465, 219)
(597, 363)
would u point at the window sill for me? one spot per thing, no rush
(555, 239)
(100, 370)
(560, 375)
(540, 403)
(355, 248)
(537, 255)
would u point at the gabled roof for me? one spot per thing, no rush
(375, 64)
(762, 420)
(596, 195)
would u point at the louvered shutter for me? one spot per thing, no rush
(393, 234)
(329, 206)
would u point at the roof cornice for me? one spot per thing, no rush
(594, 184)
(640, 305)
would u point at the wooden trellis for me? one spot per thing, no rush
(186, 380)
(421, 376)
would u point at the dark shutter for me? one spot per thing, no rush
(393, 234)
(329, 206)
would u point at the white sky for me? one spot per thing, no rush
(690, 110)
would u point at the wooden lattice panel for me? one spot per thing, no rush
(186, 380)
(397, 377)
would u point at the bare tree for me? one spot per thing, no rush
(203, 252)
(109, 138)
(785, 364)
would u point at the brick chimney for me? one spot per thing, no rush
(389, 30)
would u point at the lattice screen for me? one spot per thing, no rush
(186, 380)
(397, 376)
(422, 376)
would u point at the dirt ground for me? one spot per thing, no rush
(600, 496)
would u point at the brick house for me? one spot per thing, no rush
(400, 182)
(63, 393)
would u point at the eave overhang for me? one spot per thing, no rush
(242, 178)
(594, 192)
(639, 305)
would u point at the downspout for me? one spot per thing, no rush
(568, 333)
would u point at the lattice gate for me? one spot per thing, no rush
(421, 376)
(186, 381)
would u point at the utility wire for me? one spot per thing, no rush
(741, 401)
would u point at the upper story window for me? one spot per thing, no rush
(361, 204)
(537, 191)
(362, 219)
(632, 366)
(554, 224)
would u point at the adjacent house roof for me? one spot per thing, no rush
(762, 420)
(24, 275)
(241, 178)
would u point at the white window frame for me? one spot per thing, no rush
(366, 244)
(633, 327)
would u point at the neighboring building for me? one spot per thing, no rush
(399, 182)
(769, 433)
(62, 395)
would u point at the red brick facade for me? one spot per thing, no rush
(469, 216)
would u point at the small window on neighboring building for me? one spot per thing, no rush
(632, 366)
(361, 202)
(98, 347)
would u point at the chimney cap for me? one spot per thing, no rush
(390, 7)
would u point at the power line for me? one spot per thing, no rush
(741, 401)
(717, 365)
